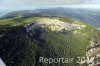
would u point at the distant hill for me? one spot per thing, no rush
(85, 15)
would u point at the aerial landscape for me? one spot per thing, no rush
(50, 33)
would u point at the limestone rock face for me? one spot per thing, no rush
(54, 25)
(93, 54)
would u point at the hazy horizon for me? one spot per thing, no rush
(34, 4)
(7, 6)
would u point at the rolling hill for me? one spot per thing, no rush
(24, 40)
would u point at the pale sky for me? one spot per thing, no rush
(19, 4)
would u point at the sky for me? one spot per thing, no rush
(33, 4)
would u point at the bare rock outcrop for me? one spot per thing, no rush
(93, 53)
(54, 25)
